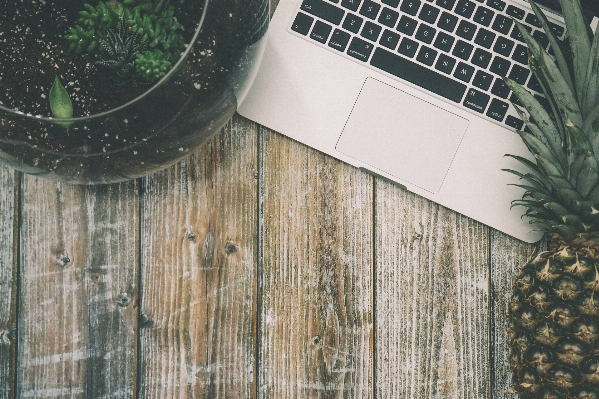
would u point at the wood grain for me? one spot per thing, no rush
(79, 262)
(7, 279)
(432, 299)
(507, 255)
(316, 318)
(199, 270)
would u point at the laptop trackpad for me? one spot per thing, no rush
(402, 135)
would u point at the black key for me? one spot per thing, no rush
(531, 19)
(302, 23)
(502, 24)
(407, 25)
(465, 8)
(544, 102)
(557, 30)
(416, 74)
(462, 50)
(515, 12)
(496, 4)
(541, 38)
(426, 55)
(447, 4)
(407, 47)
(351, 4)
(352, 23)
(444, 41)
(464, 72)
(483, 16)
(410, 6)
(481, 58)
(500, 89)
(519, 74)
(520, 54)
(515, 100)
(339, 40)
(389, 39)
(388, 17)
(517, 35)
(323, 10)
(482, 80)
(476, 100)
(445, 64)
(466, 30)
(359, 49)
(425, 33)
(533, 84)
(447, 22)
(484, 38)
(370, 9)
(391, 3)
(320, 32)
(429, 13)
(500, 66)
(371, 31)
(514, 122)
(503, 46)
(497, 109)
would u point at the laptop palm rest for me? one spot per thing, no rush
(402, 135)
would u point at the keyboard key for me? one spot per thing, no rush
(481, 58)
(407, 25)
(533, 84)
(408, 47)
(503, 46)
(557, 30)
(464, 72)
(500, 89)
(514, 122)
(483, 16)
(359, 49)
(339, 40)
(351, 4)
(425, 33)
(447, 22)
(496, 4)
(520, 54)
(444, 41)
(426, 55)
(371, 31)
(429, 14)
(502, 24)
(445, 64)
(517, 35)
(370, 9)
(447, 4)
(482, 80)
(326, 11)
(388, 17)
(389, 39)
(515, 100)
(515, 12)
(484, 38)
(418, 75)
(410, 6)
(519, 74)
(465, 8)
(352, 23)
(466, 30)
(531, 19)
(500, 66)
(302, 23)
(391, 3)
(462, 50)
(320, 32)
(476, 100)
(541, 38)
(497, 109)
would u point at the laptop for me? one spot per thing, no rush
(410, 91)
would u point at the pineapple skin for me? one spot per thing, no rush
(554, 326)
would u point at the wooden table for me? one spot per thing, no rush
(257, 268)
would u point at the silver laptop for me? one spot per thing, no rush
(408, 90)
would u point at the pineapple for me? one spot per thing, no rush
(554, 312)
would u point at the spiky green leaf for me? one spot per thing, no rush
(60, 102)
(590, 93)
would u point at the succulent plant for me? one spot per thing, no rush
(151, 65)
(60, 102)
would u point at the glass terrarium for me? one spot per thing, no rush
(103, 91)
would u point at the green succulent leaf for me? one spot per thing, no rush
(60, 103)
(590, 94)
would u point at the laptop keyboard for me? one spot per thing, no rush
(456, 49)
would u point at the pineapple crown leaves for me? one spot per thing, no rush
(562, 179)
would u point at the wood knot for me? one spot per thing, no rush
(145, 321)
(191, 236)
(123, 300)
(63, 261)
(230, 248)
(316, 340)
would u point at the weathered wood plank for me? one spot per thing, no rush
(316, 317)
(79, 262)
(507, 255)
(199, 270)
(7, 280)
(432, 299)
